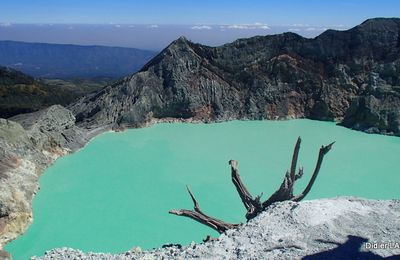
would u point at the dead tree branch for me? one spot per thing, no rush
(322, 152)
(285, 191)
(216, 224)
(254, 205)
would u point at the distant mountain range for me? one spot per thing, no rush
(350, 76)
(67, 61)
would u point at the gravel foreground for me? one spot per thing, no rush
(339, 228)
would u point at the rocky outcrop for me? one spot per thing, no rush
(320, 229)
(377, 112)
(264, 77)
(28, 144)
(54, 126)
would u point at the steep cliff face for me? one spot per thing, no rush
(265, 77)
(28, 144)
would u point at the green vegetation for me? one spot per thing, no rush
(20, 93)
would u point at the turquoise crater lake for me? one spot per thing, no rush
(116, 192)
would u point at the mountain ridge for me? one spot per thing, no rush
(264, 77)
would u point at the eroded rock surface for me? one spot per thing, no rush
(353, 74)
(28, 144)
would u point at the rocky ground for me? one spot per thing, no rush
(320, 229)
(29, 143)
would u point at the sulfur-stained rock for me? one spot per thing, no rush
(265, 77)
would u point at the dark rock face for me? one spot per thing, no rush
(351, 74)
(375, 113)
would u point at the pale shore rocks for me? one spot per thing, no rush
(338, 228)
(29, 143)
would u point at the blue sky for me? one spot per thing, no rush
(275, 12)
(153, 24)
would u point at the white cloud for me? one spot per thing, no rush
(316, 29)
(307, 27)
(254, 26)
(118, 25)
(299, 25)
(201, 27)
(131, 26)
(153, 26)
(5, 24)
(340, 27)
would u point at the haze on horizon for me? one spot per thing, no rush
(154, 24)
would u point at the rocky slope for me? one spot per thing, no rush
(352, 75)
(320, 229)
(28, 144)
